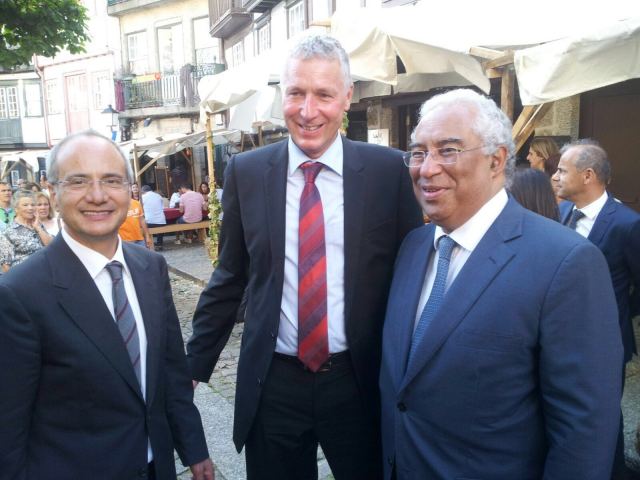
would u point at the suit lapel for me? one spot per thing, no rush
(603, 221)
(275, 194)
(147, 292)
(354, 173)
(80, 299)
(565, 211)
(406, 309)
(486, 261)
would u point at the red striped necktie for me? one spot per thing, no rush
(313, 342)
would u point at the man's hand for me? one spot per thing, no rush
(203, 470)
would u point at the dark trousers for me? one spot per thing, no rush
(299, 409)
(158, 238)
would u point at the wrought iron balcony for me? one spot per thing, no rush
(164, 89)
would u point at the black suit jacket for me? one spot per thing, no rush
(71, 406)
(379, 210)
(616, 232)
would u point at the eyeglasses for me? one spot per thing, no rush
(82, 184)
(444, 155)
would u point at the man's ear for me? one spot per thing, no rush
(589, 176)
(499, 159)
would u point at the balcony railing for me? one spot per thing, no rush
(163, 89)
(217, 8)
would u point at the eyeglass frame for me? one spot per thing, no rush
(121, 185)
(406, 156)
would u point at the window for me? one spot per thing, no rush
(54, 100)
(237, 54)
(137, 50)
(170, 49)
(205, 46)
(33, 99)
(296, 20)
(9, 102)
(102, 90)
(264, 39)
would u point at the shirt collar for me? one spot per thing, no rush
(469, 234)
(93, 261)
(592, 210)
(332, 158)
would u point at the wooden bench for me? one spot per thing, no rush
(201, 227)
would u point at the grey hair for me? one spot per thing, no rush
(19, 195)
(52, 160)
(490, 123)
(319, 46)
(590, 155)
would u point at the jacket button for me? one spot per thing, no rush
(390, 460)
(402, 407)
(273, 335)
(259, 381)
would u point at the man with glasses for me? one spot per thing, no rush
(92, 365)
(6, 212)
(501, 351)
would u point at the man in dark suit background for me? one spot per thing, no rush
(501, 354)
(92, 365)
(582, 178)
(310, 352)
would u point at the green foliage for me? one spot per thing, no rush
(41, 27)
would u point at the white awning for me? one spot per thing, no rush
(566, 67)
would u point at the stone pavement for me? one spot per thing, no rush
(191, 269)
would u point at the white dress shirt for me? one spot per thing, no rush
(591, 212)
(467, 237)
(153, 208)
(96, 263)
(330, 186)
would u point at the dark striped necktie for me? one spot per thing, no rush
(313, 342)
(575, 216)
(124, 316)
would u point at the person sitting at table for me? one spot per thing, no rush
(191, 206)
(174, 201)
(153, 213)
(134, 228)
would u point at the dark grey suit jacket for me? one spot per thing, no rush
(71, 405)
(379, 210)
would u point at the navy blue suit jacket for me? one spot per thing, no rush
(519, 374)
(71, 406)
(616, 232)
(379, 210)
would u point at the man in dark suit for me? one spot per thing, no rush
(501, 354)
(316, 256)
(582, 178)
(92, 366)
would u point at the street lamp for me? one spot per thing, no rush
(114, 121)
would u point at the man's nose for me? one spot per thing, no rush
(308, 107)
(429, 166)
(96, 192)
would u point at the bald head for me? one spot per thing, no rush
(62, 149)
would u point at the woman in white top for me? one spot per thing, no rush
(46, 214)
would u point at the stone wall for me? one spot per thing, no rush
(562, 119)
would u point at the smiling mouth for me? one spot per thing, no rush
(310, 128)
